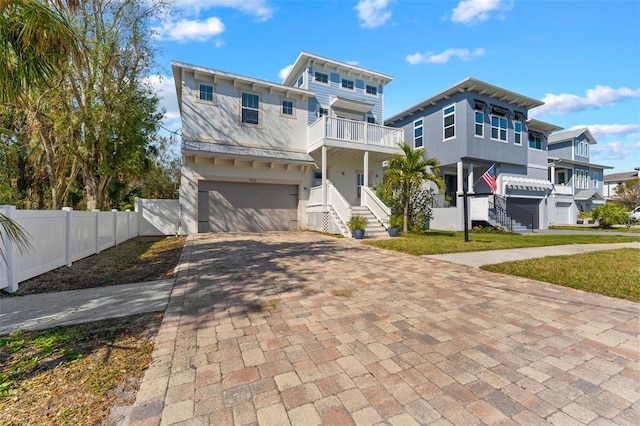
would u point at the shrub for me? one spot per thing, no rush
(357, 222)
(609, 214)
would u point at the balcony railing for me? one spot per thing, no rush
(562, 189)
(354, 131)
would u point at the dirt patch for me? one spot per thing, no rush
(137, 260)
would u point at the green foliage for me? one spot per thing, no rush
(357, 222)
(628, 193)
(395, 221)
(403, 186)
(489, 230)
(609, 214)
(584, 215)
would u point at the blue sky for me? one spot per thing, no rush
(582, 58)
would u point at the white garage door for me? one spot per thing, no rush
(246, 207)
(563, 211)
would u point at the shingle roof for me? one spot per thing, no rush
(570, 135)
(588, 194)
(620, 176)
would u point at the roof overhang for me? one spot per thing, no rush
(525, 184)
(306, 59)
(470, 85)
(557, 161)
(350, 104)
(588, 195)
(542, 126)
(235, 152)
(570, 135)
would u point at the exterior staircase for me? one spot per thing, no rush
(374, 227)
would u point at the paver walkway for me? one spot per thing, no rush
(298, 328)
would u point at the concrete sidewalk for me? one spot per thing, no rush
(479, 258)
(40, 311)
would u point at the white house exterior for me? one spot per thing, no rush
(261, 156)
(612, 181)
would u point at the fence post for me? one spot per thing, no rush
(128, 223)
(97, 212)
(115, 227)
(67, 249)
(12, 274)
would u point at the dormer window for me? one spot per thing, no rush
(347, 84)
(582, 148)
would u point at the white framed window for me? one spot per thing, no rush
(371, 119)
(582, 148)
(517, 132)
(250, 108)
(535, 142)
(449, 122)
(499, 128)
(417, 134)
(321, 77)
(206, 92)
(347, 84)
(479, 120)
(371, 90)
(323, 111)
(288, 108)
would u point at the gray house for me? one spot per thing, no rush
(470, 127)
(578, 183)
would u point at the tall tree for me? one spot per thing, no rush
(408, 170)
(628, 193)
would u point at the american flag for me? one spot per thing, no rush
(489, 177)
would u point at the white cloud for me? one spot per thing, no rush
(284, 72)
(354, 63)
(603, 130)
(470, 12)
(597, 97)
(616, 150)
(190, 30)
(260, 9)
(373, 13)
(165, 89)
(444, 57)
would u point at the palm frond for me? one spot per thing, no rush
(15, 233)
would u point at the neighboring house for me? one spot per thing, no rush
(470, 127)
(263, 156)
(613, 180)
(578, 183)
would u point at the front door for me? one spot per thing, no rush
(359, 183)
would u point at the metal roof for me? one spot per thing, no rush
(571, 135)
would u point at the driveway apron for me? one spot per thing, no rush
(304, 329)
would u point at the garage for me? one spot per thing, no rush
(246, 207)
(525, 211)
(563, 213)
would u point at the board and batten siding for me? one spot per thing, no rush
(220, 121)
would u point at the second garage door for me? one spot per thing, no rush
(246, 207)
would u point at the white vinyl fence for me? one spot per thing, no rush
(59, 238)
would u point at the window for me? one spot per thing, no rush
(371, 119)
(449, 122)
(535, 142)
(287, 107)
(479, 124)
(582, 148)
(323, 111)
(582, 179)
(517, 129)
(498, 128)
(417, 133)
(206, 93)
(301, 80)
(250, 108)
(371, 90)
(317, 178)
(321, 77)
(347, 84)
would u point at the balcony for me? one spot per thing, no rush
(344, 133)
(561, 189)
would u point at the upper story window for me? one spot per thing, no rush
(535, 141)
(287, 107)
(479, 130)
(250, 108)
(517, 130)
(206, 92)
(417, 134)
(582, 148)
(323, 111)
(449, 120)
(499, 128)
(321, 77)
(371, 90)
(371, 119)
(301, 80)
(347, 84)
(582, 179)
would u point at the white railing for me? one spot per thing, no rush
(315, 196)
(562, 189)
(354, 131)
(375, 205)
(339, 204)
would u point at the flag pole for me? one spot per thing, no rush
(478, 180)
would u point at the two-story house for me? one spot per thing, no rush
(471, 127)
(263, 156)
(578, 183)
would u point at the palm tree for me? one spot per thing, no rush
(408, 170)
(13, 232)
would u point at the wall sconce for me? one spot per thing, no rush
(343, 173)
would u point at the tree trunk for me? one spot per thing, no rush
(405, 222)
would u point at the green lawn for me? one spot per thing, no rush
(633, 229)
(614, 273)
(439, 242)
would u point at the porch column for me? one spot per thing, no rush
(553, 174)
(366, 169)
(324, 176)
(470, 178)
(460, 177)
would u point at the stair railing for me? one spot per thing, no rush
(375, 206)
(498, 212)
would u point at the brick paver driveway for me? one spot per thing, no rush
(299, 328)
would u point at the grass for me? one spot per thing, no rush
(632, 229)
(439, 242)
(613, 273)
(73, 374)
